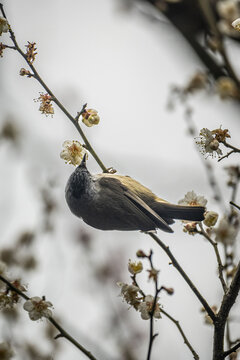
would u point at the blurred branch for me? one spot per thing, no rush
(210, 18)
(184, 275)
(192, 19)
(54, 98)
(176, 322)
(62, 332)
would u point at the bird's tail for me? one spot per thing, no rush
(170, 211)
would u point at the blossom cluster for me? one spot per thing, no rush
(8, 297)
(144, 304)
(210, 217)
(132, 294)
(227, 228)
(209, 141)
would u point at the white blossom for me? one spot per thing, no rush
(191, 198)
(207, 143)
(72, 152)
(130, 294)
(146, 306)
(37, 308)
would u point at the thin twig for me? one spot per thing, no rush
(186, 341)
(226, 156)
(62, 332)
(176, 322)
(234, 148)
(54, 98)
(233, 204)
(184, 275)
(66, 335)
(219, 261)
(152, 336)
(233, 349)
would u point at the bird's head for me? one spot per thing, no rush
(79, 181)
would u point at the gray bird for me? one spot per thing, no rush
(115, 202)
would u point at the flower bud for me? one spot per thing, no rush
(214, 145)
(90, 117)
(24, 72)
(141, 254)
(210, 218)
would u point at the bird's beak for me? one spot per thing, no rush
(83, 162)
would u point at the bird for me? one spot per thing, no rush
(115, 202)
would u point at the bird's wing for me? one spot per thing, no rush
(140, 205)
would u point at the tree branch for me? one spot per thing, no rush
(206, 8)
(227, 303)
(54, 98)
(184, 275)
(62, 332)
(230, 297)
(219, 261)
(176, 322)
